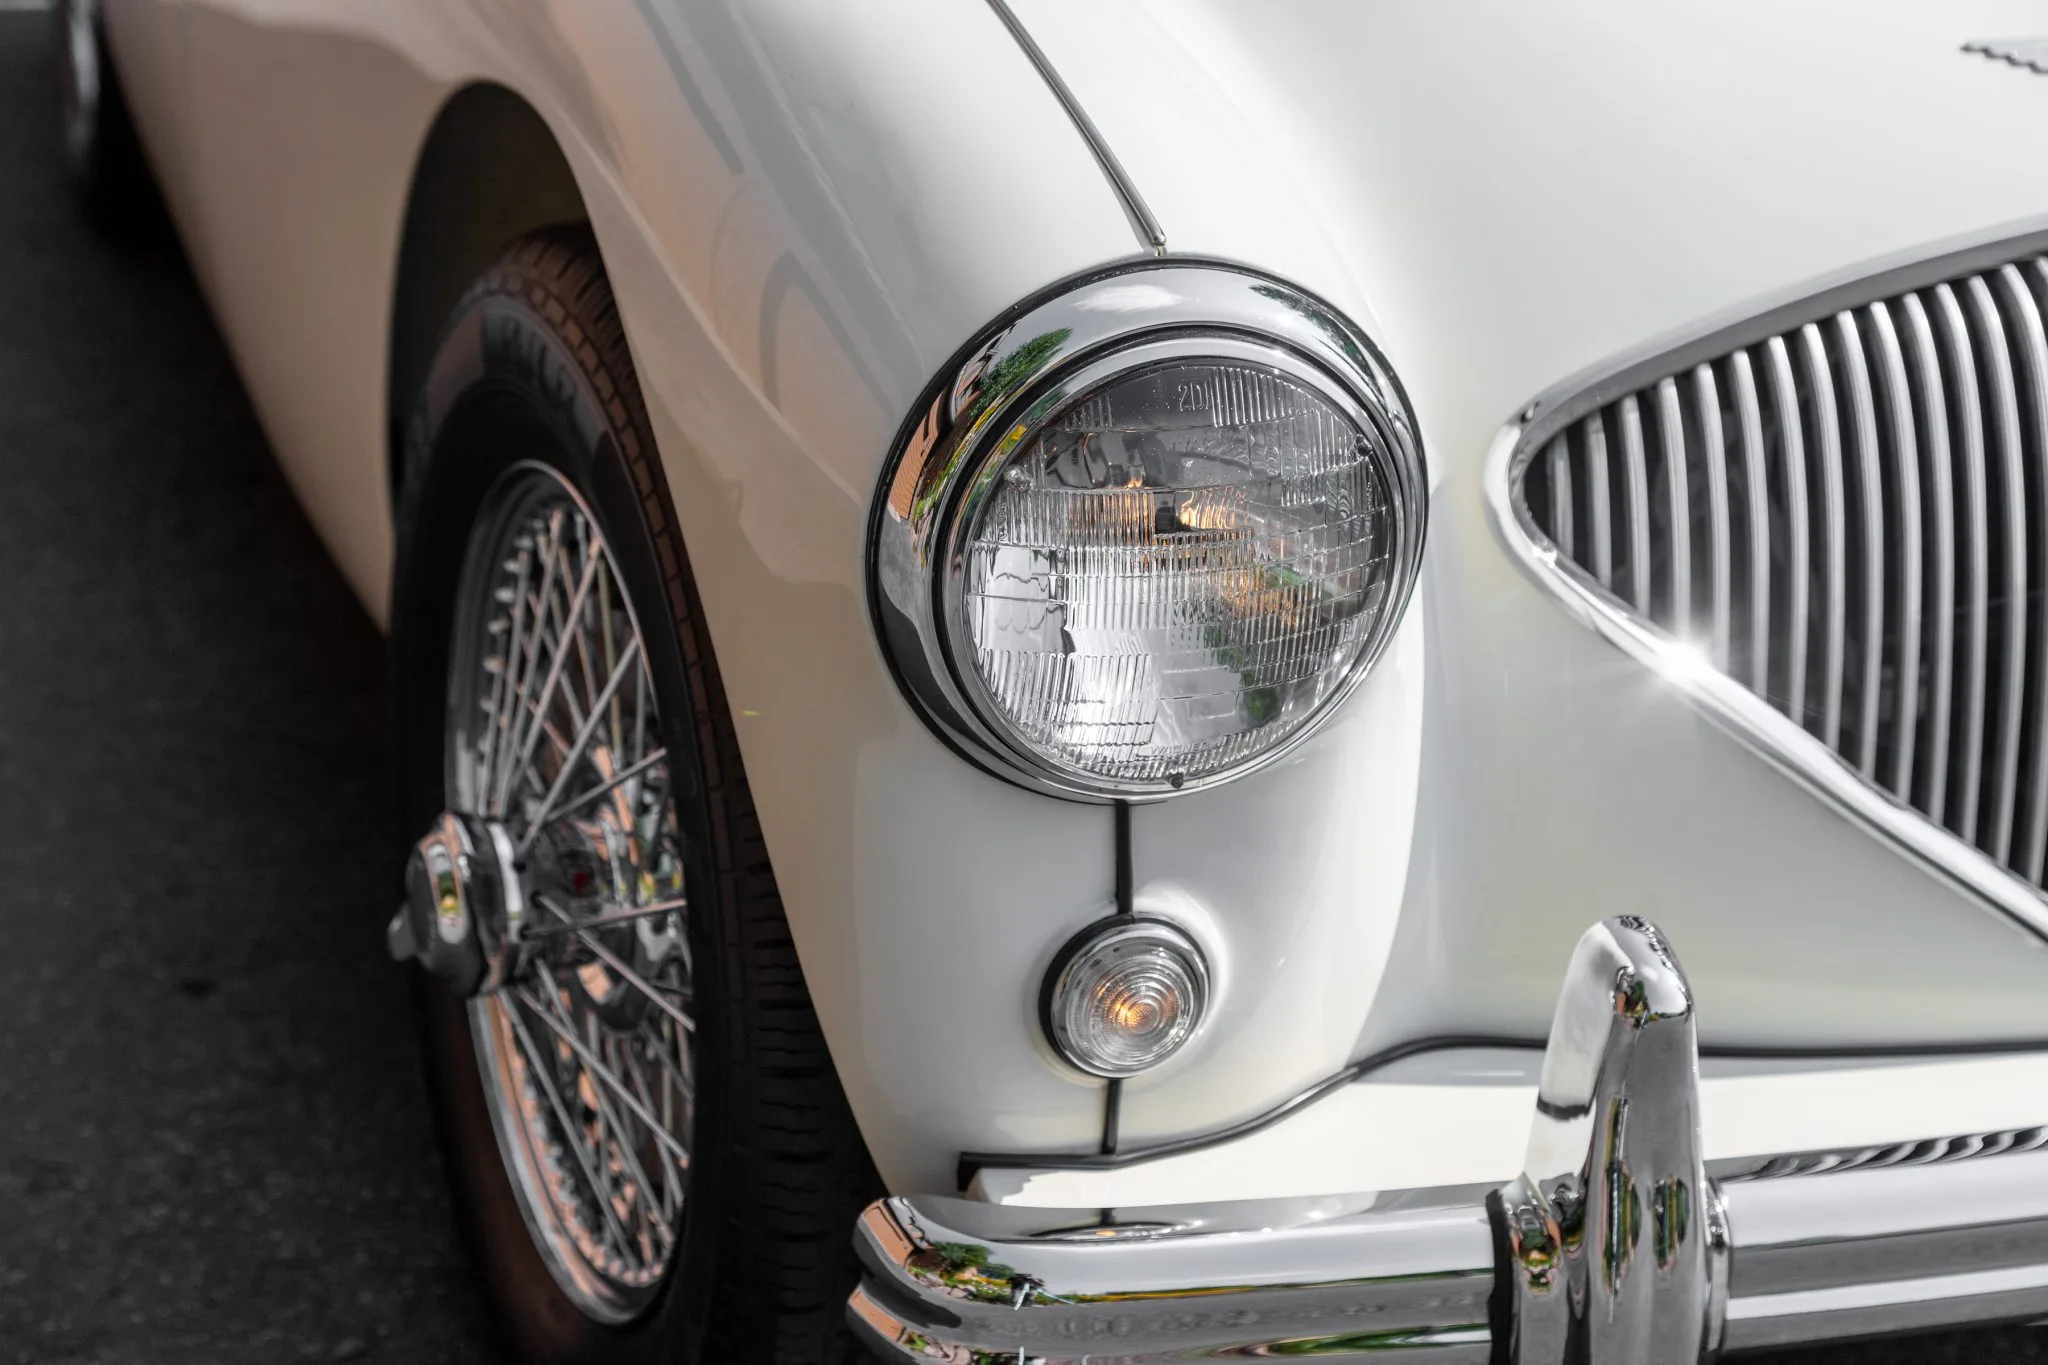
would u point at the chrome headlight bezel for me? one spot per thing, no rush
(1021, 370)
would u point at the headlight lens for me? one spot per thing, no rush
(1148, 531)
(1176, 570)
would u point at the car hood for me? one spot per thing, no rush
(1505, 193)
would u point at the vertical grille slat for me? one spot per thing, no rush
(1969, 412)
(1835, 521)
(1638, 474)
(1798, 563)
(1904, 470)
(2005, 434)
(2033, 349)
(1714, 452)
(1862, 429)
(1751, 423)
(1942, 579)
(1598, 494)
(1849, 517)
(1561, 497)
(1671, 427)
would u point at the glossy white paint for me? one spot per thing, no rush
(1504, 195)
(750, 170)
(807, 207)
(1462, 1117)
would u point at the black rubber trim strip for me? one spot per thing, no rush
(972, 1163)
(1126, 893)
(1126, 902)
(1863, 1051)
(1112, 1115)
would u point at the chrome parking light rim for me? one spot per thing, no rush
(582, 1032)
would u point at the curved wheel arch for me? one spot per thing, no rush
(490, 170)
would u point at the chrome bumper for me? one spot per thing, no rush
(1615, 1246)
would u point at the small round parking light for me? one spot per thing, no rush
(1125, 995)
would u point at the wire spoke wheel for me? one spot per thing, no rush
(590, 880)
(583, 1030)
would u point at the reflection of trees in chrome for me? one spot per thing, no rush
(966, 1271)
(1671, 1217)
(1014, 367)
(992, 386)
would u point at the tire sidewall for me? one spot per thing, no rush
(508, 388)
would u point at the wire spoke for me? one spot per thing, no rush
(502, 789)
(676, 1075)
(640, 710)
(604, 921)
(625, 973)
(598, 1071)
(537, 1065)
(620, 1142)
(628, 1152)
(654, 993)
(554, 678)
(616, 780)
(611, 657)
(579, 629)
(499, 709)
(637, 1074)
(576, 749)
(553, 641)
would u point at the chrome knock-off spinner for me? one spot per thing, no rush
(464, 904)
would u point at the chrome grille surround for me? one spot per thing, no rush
(1913, 694)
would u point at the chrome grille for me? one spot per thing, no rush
(1850, 518)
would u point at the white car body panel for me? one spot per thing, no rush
(1474, 1104)
(1506, 195)
(807, 208)
(900, 866)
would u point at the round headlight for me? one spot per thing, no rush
(1150, 532)
(1124, 996)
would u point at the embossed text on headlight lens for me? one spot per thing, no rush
(1176, 570)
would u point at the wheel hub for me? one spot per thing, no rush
(464, 904)
(465, 917)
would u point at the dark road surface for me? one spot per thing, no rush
(213, 1143)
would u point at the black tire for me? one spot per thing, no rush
(101, 148)
(534, 366)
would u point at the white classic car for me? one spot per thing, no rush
(1023, 636)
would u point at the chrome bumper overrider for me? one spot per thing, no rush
(1616, 1245)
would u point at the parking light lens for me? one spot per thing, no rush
(1126, 996)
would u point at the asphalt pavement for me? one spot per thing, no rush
(214, 1146)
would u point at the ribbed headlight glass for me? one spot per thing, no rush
(1170, 574)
